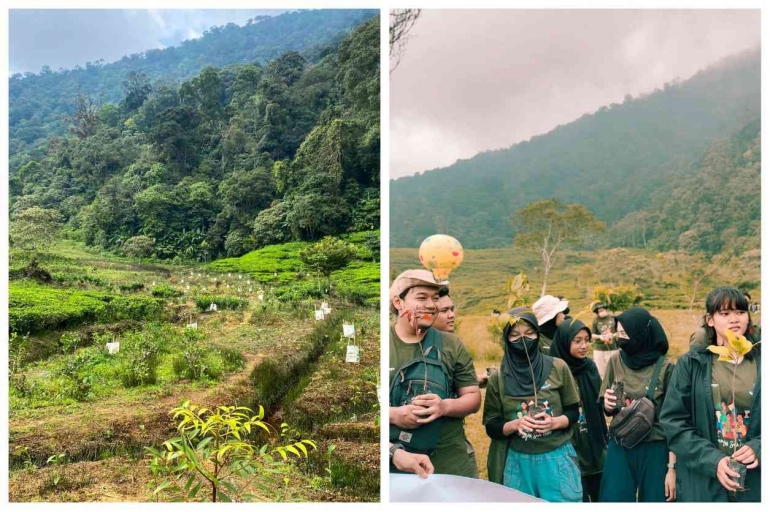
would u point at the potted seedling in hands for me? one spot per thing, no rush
(737, 347)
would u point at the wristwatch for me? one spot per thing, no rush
(671, 465)
(395, 448)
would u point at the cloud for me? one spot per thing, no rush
(64, 38)
(486, 79)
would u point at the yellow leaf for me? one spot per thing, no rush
(739, 344)
(723, 352)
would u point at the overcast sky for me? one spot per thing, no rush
(477, 80)
(64, 38)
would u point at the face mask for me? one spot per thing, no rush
(531, 345)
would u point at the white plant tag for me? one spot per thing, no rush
(348, 330)
(193, 325)
(113, 347)
(319, 314)
(261, 296)
(213, 307)
(353, 355)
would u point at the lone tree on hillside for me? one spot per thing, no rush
(35, 229)
(328, 255)
(139, 247)
(548, 226)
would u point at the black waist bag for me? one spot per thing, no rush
(634, 422)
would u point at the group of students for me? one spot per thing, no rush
(548, 405)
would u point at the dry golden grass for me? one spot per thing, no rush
(486, 352)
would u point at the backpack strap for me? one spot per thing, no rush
(654, 378)
(432, 344)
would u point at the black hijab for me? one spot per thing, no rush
(647, 340)
(517, 379)
(588, 380)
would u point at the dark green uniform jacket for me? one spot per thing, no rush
(688, 421)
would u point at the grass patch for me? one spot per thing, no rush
(165, 291)
(33, 308)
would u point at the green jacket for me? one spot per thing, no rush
(687, 418)
(545, 344)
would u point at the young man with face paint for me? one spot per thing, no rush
(702, 389)
(414, 299)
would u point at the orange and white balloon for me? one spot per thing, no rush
(441, 254)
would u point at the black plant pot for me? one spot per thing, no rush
(741, 470)
(534, 410)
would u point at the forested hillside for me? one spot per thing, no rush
(41, 102)
(230, 160)
(666, 166)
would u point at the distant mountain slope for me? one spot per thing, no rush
(231, 160)
(612, 161)
(39, 103)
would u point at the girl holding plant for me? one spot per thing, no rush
(571, 345)
(712, 416)
(646, 472)
(530, 406)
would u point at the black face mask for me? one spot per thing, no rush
(623, 342)
(531, 344)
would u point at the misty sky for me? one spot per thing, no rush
(476, 80)
(66, 37)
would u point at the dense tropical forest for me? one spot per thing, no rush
(229, 160)
(40, 103)
(678, 168)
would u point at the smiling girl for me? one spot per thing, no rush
(701, 390)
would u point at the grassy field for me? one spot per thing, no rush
(262, 346)
(479, 286)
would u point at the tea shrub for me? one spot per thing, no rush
(165, 291)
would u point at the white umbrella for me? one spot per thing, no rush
(450, 488)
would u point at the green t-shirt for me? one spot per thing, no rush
(452, 455)
(635, 384)
(558, 391)
(582, 442)
(604, 325)
(731, 427)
